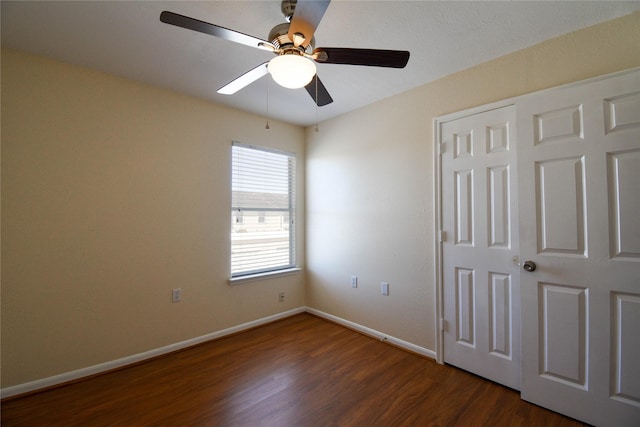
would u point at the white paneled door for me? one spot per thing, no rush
(480, 234)
(579, 211)
(562, 326)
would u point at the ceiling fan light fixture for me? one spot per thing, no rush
(292, 71)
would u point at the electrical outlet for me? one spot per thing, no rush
(354, 281)
(281, 297)
(384, 288)
(176, 295)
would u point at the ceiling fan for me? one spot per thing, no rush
(293, 43)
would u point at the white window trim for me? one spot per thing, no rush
(263, 276)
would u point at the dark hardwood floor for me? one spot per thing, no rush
(300, 371)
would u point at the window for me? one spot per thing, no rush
(262, 210)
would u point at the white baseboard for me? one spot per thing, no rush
(118, 363)
(373, 333)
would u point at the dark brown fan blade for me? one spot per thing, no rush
(214, 30)
(369, 57)
(306, 18)
(323, 95)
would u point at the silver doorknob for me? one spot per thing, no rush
(529, 266)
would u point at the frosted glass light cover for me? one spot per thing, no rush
(292, 71)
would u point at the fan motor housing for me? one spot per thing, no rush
(279, 37)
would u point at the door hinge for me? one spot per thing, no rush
(443, 147)
(443, 236)
(444, 325)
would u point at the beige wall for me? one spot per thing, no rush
(113, 193)
(370, 179)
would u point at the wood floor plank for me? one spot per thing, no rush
(300, 371)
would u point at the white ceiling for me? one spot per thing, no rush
(126, 38)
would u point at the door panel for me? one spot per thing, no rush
(563, 337)
(579, 216)
(465, 307)
(481, 293)
(624, 176)
(626, 348)
(463, 207)
(559, 187)
(500, 315)
(499, 224)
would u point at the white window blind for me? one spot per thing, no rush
(262, 210)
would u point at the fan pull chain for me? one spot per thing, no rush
(316, 128)
(267, 125)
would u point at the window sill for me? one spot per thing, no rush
(263, 276)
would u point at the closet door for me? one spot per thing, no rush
(480, 238)
(579, 215)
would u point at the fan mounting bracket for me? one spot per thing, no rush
(288, 7)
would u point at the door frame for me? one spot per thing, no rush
(437, 188)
